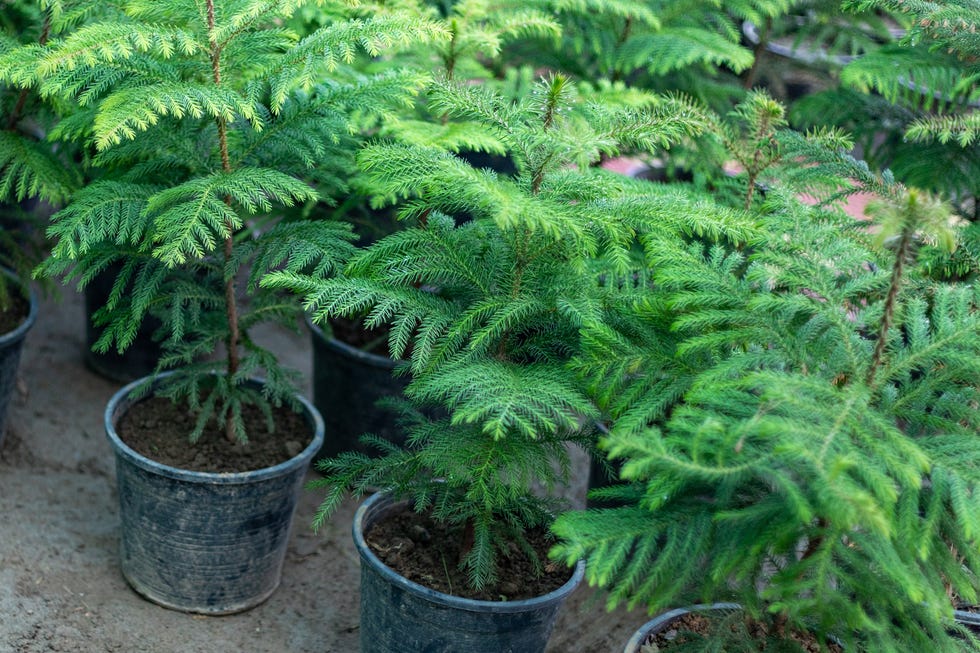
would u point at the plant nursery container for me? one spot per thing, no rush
(664, 619)
(399, 615)
(204, 542)
(347, 382)
(11, 345)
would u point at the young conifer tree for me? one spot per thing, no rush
(484, 295)
(208, 119)
(31, 167)
(817, 463)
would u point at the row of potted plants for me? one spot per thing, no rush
(791, 395)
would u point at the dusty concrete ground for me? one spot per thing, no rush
(60, 585)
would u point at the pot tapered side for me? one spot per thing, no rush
(399, 615)
(11, 346)
(202, 542)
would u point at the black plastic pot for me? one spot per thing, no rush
(139, 359)
(399, 615)
(663, 620)
(347, 382)
(11, 344)
(211, 543)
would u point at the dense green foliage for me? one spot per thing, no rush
(485, 291)
(797, 420)
(913, 103)
(207, 121)
(32, 169)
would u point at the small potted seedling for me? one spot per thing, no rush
(486, 312)
(208, 120)
(34, 175)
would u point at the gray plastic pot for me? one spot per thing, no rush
(204, 542)
(967, 618)
(347, 382)
(663, 620)
(398, 615)
(11, 344)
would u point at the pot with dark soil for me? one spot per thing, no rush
(404, 556)
(205, 528)
(17, 315)
(724, 627)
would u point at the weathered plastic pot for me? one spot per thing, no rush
(11, 345)
(204, 542)
(967, 618)
(663, 621)
(139, 359)
(399, 615)
(347, 382)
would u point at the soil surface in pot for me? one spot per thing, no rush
(158, 429)
(60, 586)
(701, 625)
(427, 552)
(16, 313)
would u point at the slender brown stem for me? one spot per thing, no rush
(757, 54)
(895, 285)
(231, 302)
(22, 98)
(617, 74)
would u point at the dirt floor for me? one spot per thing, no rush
(60, 584)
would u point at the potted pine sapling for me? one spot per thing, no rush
(351, 367)
(817, 471)
(209, 120)
(33, 175)
(485, 311)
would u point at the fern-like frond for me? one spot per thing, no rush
(338, 43)
(29, 168)
(191, 218)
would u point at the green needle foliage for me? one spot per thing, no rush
(208, 120)
(691, 46)
(486, 290)
(481, 34)
(797, 423)
(32, 169)
(913, 103)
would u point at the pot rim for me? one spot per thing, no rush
(440, 598)
(644, 631)
(11, 337)
(966, 617)
(120, 401)
(366, 357)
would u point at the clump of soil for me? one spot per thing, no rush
(16, 313)
(427, 552)
(159, 429)
(693, 626)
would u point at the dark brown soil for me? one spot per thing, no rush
(427, 552)
(704, 625)
(16, 313)
(159, 429)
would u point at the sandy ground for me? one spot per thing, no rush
(60, 584)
